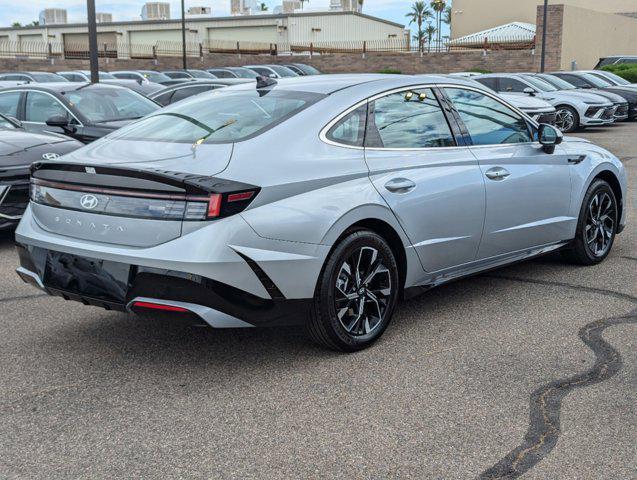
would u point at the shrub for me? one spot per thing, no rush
(480, 70)
(390, 70)
(624, 70)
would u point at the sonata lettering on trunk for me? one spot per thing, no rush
(92, 226)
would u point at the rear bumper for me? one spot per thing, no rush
(224, 267)
(130, 288)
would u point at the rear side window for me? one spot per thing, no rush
(489, 82)
(512, 85)
(575, 80)
(350, 130)
(488, 121)
(9, 103)
(409, 119)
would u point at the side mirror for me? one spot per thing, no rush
(58, 121)
(529, 91)
(549, 137)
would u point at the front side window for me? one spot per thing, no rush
(408, 119)
(218, 117)
(512, 85)
(9, 103)
(575, 80)
(40, 107)
(350, 130)
(488, 121)
(110, 104)
(186, 92)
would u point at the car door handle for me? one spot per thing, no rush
(497, 173)
(400, 185)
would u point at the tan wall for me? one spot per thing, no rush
(589, 35)
(478, 15)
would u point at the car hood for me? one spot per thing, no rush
(526, 102)
(576, 95)
(174, 157)
(13, 141)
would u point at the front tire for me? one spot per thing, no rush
(567, 119)
(596, 226)
(356, 293)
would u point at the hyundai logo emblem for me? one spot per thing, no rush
(89, 202)
(50, 156)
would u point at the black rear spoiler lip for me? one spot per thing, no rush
(136, 179)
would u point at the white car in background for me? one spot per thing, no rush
(539, 110)
(574, 109)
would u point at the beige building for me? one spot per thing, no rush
(471, 16)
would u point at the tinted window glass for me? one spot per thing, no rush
(182, 93)
(411, 119)
(4, 123)
(218, 117)
(108, 104)
(223, 74)
(575, 80)
(9, 103)
(40, 107)
(488, 121)
(43, 77)
(511, 85)
(262, 71)
(350, 130)
(492, 83)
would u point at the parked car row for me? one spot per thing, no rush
(319, 202)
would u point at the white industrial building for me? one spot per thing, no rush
(295, 28)
(52, 16)
(156, 11)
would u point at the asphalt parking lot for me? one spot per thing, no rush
(531, 369)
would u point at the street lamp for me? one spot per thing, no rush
(92, 41)
(544, 23)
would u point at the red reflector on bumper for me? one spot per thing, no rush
(159, 306)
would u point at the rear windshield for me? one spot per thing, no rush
(110, 104)
(47, 77)
(218, 117)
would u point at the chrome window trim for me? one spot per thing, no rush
(494, 96)
(80, 124)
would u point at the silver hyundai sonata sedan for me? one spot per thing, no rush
(319, 201)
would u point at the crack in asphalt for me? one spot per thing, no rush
(22, 297)
(546, 402)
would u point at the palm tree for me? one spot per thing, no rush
(430, 31)
(446, 18)
(418, 14)
(303, 3)
(438, 7)
(263, 7)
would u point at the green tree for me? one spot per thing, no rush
(16, 24)
(438, 7)
(430, 31)
(446, 18)
(35, 23)
(263, 7)
(418, 14)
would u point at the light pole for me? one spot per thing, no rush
(92, 41)
(183, 34)
(544, 23)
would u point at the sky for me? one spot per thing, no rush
(25, 11)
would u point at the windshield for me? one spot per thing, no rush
(283, 71)
(218, 117)
(598, 82)
(110, 104)
(540, 84)
(156, 76)
(243, 72)
(557, 82)
(42, 77)
(200, 74)
(617, 78)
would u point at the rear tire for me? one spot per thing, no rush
(567, 119)
(356, 293)
(596, 226)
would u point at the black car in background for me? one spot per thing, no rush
(188, 74)
(82, 111)
(588, 81)
(303, 69)
(233, 72)
(176, 93)
(18, 150)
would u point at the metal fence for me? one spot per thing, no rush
(80, 50)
